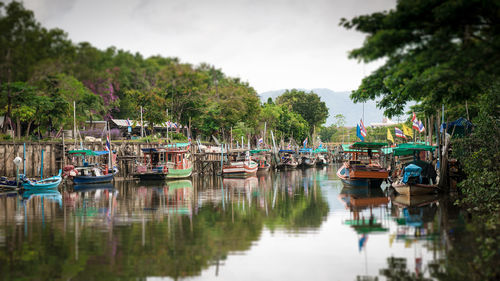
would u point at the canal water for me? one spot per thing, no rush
(292, 225)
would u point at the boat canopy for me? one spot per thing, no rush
(319, 150)
(88, 152)
(368, 145)
(409, 148)
(347, 148)
(259, 151)
(177, 145)
(306, 150)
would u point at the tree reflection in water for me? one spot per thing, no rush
(132, 231)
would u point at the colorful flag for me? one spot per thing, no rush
(414, 117)
(359, 134)
(407, 131)
(421, 127)
(289, 146)
(389, 136)
(108, 144)
(305, 142)
(363, 129)
(189, 139)
(261, 140)
(399, 133)
(128, 123)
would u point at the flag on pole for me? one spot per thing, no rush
(128, 123)
(305, 142)
(359, 134)
(362, 128)
(407, 131)
(414, 117)
(261, 140)
(421, 127)
(108, 144)
(399, 133)
(389, 136)
(289, 146)
(189, 139)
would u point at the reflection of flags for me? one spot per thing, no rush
(362, 128)
(421, 127)
(359, 134)
(362, 241)
(407, 131)
(305, 142)
(399, 133)
(389, 136)
(108, 144)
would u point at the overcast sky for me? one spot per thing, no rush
(272, 44)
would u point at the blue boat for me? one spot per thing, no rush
(91, 173)
(48, 183)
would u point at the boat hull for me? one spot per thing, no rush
(239, 170)
(414, 189)
(94, 179)
(344, 174)
(48, 183)
(179, 173)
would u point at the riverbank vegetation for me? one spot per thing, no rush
(445, 53)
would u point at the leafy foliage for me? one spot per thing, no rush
(435, 52)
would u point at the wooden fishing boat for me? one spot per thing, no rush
(363, 169)
(417, 177)
(179, 162)
(321, 160)
(48, 183)
(90, 173)
(170, 162)
(240, 167)
(263, 166)
(308, 159)
(287, 160)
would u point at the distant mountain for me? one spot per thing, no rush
(339, 102)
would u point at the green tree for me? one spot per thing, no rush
(435, 52)
(308, 105)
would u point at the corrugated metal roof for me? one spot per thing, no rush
(134, 123)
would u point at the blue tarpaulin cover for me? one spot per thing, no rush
(411, 170)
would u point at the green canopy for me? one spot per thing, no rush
(347, 148)
(320, 150)
(86, 152)
(409, 148)
(259, 151)
(180, 144)
(368, 145)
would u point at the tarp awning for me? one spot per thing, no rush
(88, 152)
(368, 145)
(409, 148)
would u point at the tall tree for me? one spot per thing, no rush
(435, 51)
(308, 105)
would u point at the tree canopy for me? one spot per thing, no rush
(435, 52)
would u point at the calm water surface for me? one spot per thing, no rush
(293, 225)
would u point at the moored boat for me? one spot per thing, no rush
(363, 169)
(287, 160)
(90, 173)
(48, 183)
(240, 168)
(417, 177)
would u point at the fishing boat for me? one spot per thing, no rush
(170, 162)
(321, 160)
(90, 173)
(363, 169)
(416, 177)
(287, 160)
(239, 168)
(308, 158)
(48, 183)
(179, 162)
